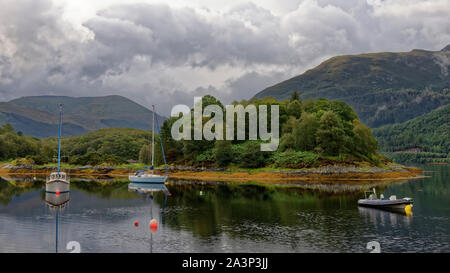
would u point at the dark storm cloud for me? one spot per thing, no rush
(165, 55)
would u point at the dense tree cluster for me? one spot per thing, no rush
(309, 130)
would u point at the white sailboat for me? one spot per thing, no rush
(58, 182)
(142, 176)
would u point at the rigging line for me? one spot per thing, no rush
(162, 148)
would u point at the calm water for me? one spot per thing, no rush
(217, 217)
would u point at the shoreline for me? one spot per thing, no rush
(325, 174)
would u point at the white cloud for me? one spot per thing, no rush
(165, 54)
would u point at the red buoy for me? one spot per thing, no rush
(57, 192)
(153, 225)
(136, 224)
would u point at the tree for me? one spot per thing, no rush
(252, 157)
(330, 135)
(364, 142)
(6, 128)
(295, 96)
(305, 133)
(294, 109)
(145, 154)
(223, 153)
(287, 142)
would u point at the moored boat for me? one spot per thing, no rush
(58, 182)
(404, 204)
(142, 176)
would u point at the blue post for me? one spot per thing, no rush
(59, 137)
(56, 240)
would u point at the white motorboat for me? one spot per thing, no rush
(394, 204)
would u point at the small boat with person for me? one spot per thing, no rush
(404, 204)
(58, 182)
(143, 175)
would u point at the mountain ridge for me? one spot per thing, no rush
(38, 115)
(383, 88)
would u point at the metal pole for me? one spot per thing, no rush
(59, 137)
(153, 138)
(56, 241)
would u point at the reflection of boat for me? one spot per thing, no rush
(385, 218)
(394, 204)
(146, 188)
(142, 176)
(57, 202)
(58, 182)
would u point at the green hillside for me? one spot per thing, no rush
(383, 88)
(108, 145)
(38, 115)
(312, 134)
(422, 139)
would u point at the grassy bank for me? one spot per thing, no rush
(324, 174)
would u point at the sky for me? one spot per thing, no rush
(167, 52)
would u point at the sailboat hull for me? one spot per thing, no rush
(154, 179)
(60, 186)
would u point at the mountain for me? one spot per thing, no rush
(424, 137)
(383, 88)
(38, 115)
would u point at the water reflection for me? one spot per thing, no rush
(385, 218)
(223, 217)
(57, 202)
(147, 190)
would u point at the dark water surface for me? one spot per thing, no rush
(218, 217)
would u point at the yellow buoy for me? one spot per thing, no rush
(408, 209)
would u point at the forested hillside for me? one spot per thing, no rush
(383, 88)
(422, 139)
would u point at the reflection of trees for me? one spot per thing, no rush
(222, 207)
(9, 189)
(111, 189)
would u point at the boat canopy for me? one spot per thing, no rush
(57, 176)
(140, 172)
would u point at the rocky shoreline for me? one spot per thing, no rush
(326, 174)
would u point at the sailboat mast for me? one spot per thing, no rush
(153, 138)
(59, 137)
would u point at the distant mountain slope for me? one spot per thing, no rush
(38, 115)
(383, 88)
(35, 123)
(429, 133)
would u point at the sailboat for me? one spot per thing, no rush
(143, 176)
(58, 182)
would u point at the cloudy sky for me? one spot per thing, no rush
(167, 52)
